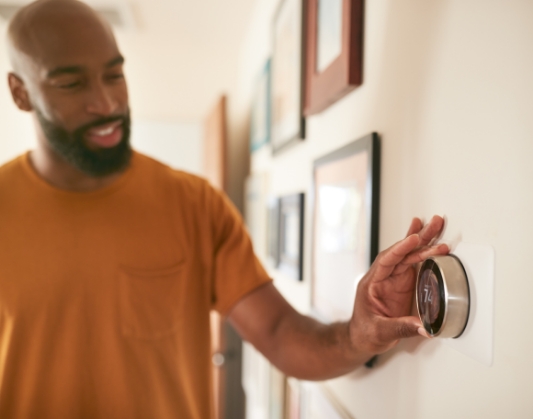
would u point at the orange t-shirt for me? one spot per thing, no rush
(105, 296)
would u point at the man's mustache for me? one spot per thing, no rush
(99, 122)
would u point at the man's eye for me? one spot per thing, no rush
(69, 86)
(116, 76)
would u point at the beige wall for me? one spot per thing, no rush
(449, 87)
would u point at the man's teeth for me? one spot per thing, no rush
(104, 132)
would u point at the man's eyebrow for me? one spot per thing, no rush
(115, 61)
(76, 69)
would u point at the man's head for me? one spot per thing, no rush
(68, 72)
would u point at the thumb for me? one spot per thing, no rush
(393, 329)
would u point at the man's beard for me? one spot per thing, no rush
(94, 162)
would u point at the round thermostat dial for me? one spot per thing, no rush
(443, 296)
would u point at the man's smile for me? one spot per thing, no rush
(106, 136)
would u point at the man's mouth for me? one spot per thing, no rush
(105, 136)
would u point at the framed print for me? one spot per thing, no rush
(288, 124)
(291, 226)
(255, 213)
(334, 64)
(345, 225)
(255, 381)
(293, 399)
(277, 394)
(319, 403)
(260, 120)
(273, 232)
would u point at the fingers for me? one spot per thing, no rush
(397, 252)
(393, 329)
(426, 252)
(431, 230)
(389, 259)
(401, 255)
(419, 256)
(415, 227)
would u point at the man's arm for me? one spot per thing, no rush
(305, 348)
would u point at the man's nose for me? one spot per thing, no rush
(101, 101)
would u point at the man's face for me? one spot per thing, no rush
(79, 95)
(94, 161)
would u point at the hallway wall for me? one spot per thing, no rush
(448, 85)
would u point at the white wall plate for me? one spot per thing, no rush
(477, 339)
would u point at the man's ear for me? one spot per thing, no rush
(19, 92)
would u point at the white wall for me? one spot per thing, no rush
(16, 127)
(448, 85)
(179, 145)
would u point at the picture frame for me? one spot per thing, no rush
(345, 225)
(260, 120)
(334, 64)
(273, 232)
(291, 234)
(293, 399)
(278, 380)
(320, 403)
(288, 74)
(255, 214)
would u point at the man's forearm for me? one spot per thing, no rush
(305, 348)
(298, 345)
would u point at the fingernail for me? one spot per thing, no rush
(422, 332)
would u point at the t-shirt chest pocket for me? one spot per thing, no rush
(149, 301)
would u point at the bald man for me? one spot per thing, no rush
(110, 262)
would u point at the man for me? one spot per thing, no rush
(110, 262)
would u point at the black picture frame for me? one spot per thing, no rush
(344, 250)
(291, 235)
(273, 208)
(288, 128)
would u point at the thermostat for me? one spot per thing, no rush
(443, 296)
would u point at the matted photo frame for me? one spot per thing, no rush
(255, 214)
(293, 399)
(260, 121)
(334, 64)
(291, 235)
(276, 409)
(273, 232)
(288, 123)
(345, 225)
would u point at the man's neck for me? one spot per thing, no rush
(61, 174)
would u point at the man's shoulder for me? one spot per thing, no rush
(12, 169)
(156, 172)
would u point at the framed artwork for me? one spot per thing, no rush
(273, 232)
(277, 394)
(255, 381)
(260, 121)
(319, 403)
(345, 225)
(293, 397)
(291, 231)
(334, 64)
(255, 213)
(288, 124)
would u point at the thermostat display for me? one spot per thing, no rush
(442, 296)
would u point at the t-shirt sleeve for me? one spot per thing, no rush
(236, 269)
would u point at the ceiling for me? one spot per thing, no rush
(180, 54)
